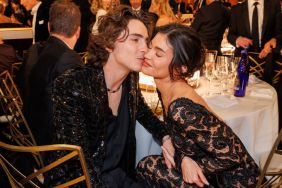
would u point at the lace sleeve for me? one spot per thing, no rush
(204, 138)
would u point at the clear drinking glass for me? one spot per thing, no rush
(209, 70)
(221, 73)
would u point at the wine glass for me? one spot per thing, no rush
(209, 69)
(221, 72)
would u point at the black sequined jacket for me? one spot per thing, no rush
(80, 112)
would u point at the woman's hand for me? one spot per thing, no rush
(168, 152)
(192, 173)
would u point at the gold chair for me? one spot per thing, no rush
(9, 87)
(15, 68)
(18, 179)
(18, 128)
(257, 64)
(272, 166)
(277, 72)
(84, 56)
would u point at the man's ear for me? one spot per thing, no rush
(77, 33)
(109, 49)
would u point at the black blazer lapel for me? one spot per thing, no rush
(266, 12)
(245, 14)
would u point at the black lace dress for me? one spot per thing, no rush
(202, 136)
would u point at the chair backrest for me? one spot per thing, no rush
(265, 171)
(18, 179)
(84, 56)
(9, 87)
(277, 70)
(19, 131)
(15, 68)
(257, 65)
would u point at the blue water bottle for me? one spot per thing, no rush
(242, 77)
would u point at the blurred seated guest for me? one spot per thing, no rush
(54, 58)
(7, 56)
(3, 18)
(138, 5)
(87, 19)
(181, 6)
(210, 22)
(99, 8)
(39, 11)
(202, 141)
(164, 12)
(19, 14)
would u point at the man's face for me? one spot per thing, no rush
(135, 3)
(129, 53)
(28, 4)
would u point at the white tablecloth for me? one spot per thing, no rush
(254, 118)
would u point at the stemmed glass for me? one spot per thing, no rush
(209, 69)
(221, 72)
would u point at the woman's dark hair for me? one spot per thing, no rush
(188, 50)
(110, 27)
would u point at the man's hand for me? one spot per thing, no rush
(268, 48)
(192, 173)
(243, 42)
(168, 152)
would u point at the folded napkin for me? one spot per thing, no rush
(222, 101)
(253, 79)
(262, 92)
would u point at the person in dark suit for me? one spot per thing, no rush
(55, 57)
(86, 20)
(210, 22)
(138, 4)
(39, 11)
(7, 56)
(240, 30)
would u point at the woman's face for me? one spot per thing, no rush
(158, 58)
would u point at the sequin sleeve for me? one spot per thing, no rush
(70, 126)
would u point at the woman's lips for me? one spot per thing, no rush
(145, 64)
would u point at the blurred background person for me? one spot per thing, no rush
(19, 13)
(3, 18)
(164, 12)
(40, 16)
(145, 4)
(86, 20)
(55, 57)
(99, 8)
(7, 56)
(210, 22)
(245, 32)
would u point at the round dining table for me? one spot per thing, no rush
(254, 117)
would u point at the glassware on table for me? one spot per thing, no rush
(209, 69)
(232, 68)
(221, 73)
